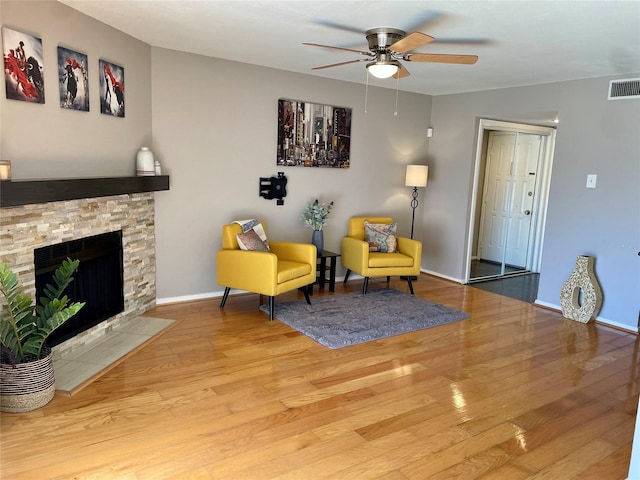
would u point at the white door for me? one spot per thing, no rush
(508, 197)
(524, 174)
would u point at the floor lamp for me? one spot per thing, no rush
(416, 177)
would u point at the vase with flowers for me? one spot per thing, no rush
(316, 216)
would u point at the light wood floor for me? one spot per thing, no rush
(513, 392)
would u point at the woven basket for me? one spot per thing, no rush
(26, 386)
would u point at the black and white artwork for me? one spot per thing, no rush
(23, 66)
(111, 89)
(73, 77)
(313, 135)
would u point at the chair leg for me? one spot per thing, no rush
(306, 293)
(365, 286)
(225, 296)
(346, 276)
(272, 306)
(410, 285)
(388, 278)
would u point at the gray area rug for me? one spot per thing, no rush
(338, 321)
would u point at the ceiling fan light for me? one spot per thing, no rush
(383, 69)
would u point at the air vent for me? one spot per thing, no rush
(624, 89)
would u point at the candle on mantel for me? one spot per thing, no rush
(5, 170)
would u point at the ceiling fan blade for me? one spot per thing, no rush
(425, 21)
(338, 26)
(462, 41)
(441, 58)
(411, 41)
(368, 54)
(402, 72)
(341, 63)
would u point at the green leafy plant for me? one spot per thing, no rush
(316, 214)
(24, 326)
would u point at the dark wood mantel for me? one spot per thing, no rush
(24, 192)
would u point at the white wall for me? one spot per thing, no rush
(46, 141)
(214, 131)
(594, 136)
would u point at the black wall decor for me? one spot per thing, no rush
(274, 187)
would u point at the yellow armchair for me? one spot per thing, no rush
(285, 267)
(356, 256)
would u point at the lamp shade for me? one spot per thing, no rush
(5, 170)
(416, 176)
(382, 69)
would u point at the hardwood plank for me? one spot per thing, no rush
(456, 454)
(611, 466)
(514, 391)
(553, 451)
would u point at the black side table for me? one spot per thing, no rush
(322, 269)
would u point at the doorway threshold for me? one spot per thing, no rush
(522, 287)
(498, 276)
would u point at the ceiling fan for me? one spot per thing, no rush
(388, 46)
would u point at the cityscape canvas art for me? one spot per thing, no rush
(313, 135)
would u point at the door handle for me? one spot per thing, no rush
(527, 212)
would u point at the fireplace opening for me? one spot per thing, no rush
(98, 281)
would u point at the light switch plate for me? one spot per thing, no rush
(591, 180)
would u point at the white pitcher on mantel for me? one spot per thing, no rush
(145, 165)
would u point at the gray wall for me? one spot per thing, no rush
(594, 136)
(214, 127)
(214, 130)
(46, 141)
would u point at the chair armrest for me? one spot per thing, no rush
(411, 248)
(355, 254)
(294, 251)
(247, 270)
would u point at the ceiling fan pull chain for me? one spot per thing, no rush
(395, 114)
(366, 93)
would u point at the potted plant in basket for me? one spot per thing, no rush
(26, 370)
(316, 216)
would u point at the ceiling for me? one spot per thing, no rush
(518, 42)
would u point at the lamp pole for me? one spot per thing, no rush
(414, 205)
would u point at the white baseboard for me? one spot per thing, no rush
(446, 277)
(604, 321)
(547, 305)
(208, 295)
(190, 298)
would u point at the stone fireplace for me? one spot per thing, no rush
(26, 227)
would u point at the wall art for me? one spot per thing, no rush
(23, 66)
(111, 89)
(313, 135)
(73, 76)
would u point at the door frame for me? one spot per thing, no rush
(485, 126)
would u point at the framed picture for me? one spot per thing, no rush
(73, 77)
(23, 66)
(313, 135)
(111, 89)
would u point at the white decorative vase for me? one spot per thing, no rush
(582, 280)
(145, 165)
